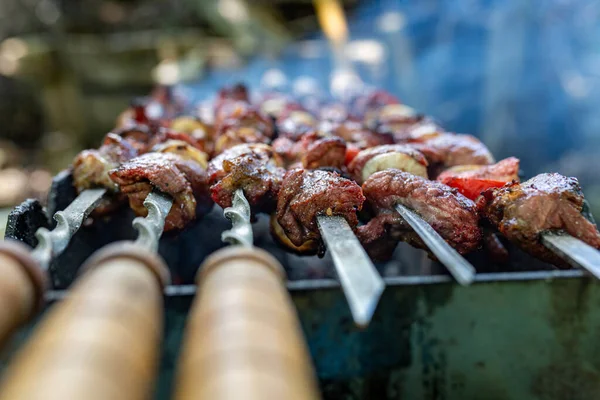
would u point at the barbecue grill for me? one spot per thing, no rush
(524, 323)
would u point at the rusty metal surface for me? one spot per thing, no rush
(495, 340)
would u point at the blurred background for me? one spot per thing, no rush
(523, 76)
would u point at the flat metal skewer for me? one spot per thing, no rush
(53, 243)
(461, 269)
(150, 228)
(576, 252)
(361, 283)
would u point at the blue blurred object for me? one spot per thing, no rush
(522, 76)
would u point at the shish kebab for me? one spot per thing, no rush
(110, 325)
(26, 270)
(252, 169)
(545, 211)
(467, 166)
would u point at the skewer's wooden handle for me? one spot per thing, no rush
(243, 339)
(22, 285)
(103, 340)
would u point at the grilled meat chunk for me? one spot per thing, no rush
(451, 214)
(239, 122)
(306, 194)
(448, 149)
(379, 158)
(355, 133)
(312, 151)
(90, 170)
(184, 179)
(201, 133)
(254, 168)
(521, 212)
(294, 123)
(471, 180)
(392, 119)
(139, 136)
(364, 106)
(237, 92)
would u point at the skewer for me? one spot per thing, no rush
(360, 281)
(461, 269)
(243, 338)
(104, 337)
(53, 243)
(24, 272)
(576, 252)
(331, 17)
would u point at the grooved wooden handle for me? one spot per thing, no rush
(101, 342)
(243, 339)
(21, 287)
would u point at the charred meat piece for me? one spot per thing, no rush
(451, 214)
(312, 151)
(363, 106)
(200, 132)
(306, 194)
(547, 202)
(254, 168)
(240, 122)
(421, 131)
(294, 123)
(185, 180)
(448, 149)
(471, 180)
(380, 158)
(237, 92)
(392, 119)
(90, 170)
(355, 133)
(139, 136)
(275, 104)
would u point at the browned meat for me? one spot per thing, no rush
(235, 93)
(185, 180)
(90, 169)
(305, 194)
(202, 133)
(294, 123)
(392, 119)
(547, 202)
(451, 214)
(275, 104)
(448, 149)
(312, 151)
(379, 158)
(423, 129)
(255, 168)
(239, 122)
(362, 106)
(354, 132)
(139, 136)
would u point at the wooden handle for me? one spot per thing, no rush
(243, 339)
(103, 340)
(22, 285)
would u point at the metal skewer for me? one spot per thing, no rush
(461, 269)
(53, 243)
(576, 252)
(360, 281)
(150, 228)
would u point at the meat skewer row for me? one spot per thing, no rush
(465, 160)
(256, 173)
